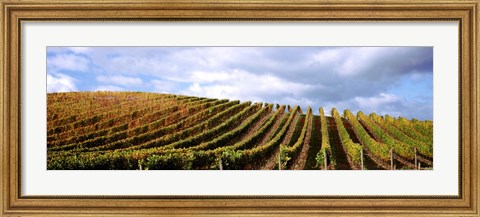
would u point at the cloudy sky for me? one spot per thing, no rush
(387, 80)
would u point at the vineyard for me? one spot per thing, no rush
(151, 131)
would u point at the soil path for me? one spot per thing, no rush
(369, 164)
(301, 159)
(339, 153)
(271, 163)
(315, 145)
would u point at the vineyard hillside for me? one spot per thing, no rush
(152, 131)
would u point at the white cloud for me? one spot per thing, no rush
(350, 61)
(70, 62)
(215, 57)
(60, 83)
(302, 102)
(170, 63)
(203, 76)
(327, 56)
(244, 85)
(360, 59)
(164, 86)
(108, 88)
(214, 91)
(74, 50)
(120, 80)
(383, 104)
(80, 50)
(374, 102)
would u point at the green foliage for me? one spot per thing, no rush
(107, 130)
(120, 129)
(170, 161)
(325, 148)
(320, 158)
(290, 152)
(248, 142)
(423, 148)
(409, 129)
(222, 127)
(284, 156)
(402, 149)
(231, 158)
(174, 132)
(261, 152)
(232, 134)
(353, 149)
(424, 127)
(380, 150)
(93, 161)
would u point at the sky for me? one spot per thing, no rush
(397, 81)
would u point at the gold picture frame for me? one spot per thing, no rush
(14, 12)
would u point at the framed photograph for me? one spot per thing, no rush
(252, 108)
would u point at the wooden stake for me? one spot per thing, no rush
(416, 157)
(325, 160)
(419, 166)
(391, 159)
(279, 161)
(361, 155)
(220, 164)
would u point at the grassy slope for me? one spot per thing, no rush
(78, 122)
